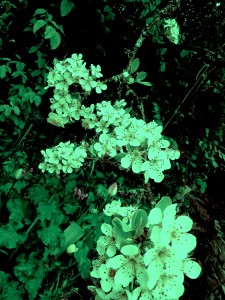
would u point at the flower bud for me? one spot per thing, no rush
(71, 249)
(112, 190)
(18, 173)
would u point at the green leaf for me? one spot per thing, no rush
(37, 100)
(162, 67)
(3, 70)
(20, 66)
(35, 73)
(38, 193)
(55, 41)
(65, 7)
(33, 49)
(39, 24)
(183, 53)
(49, 32)
(10, 288)
(134, 66)
(30, 272)
(39, 11)
(145, 83)
(16, 110)
(50, 236)
(46, 210)
(164, 202)
(141, 76)
(9, 238)
(71, 235)
(84, 263)
(139, 220)
(8, 111)
(122, 231)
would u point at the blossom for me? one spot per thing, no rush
(127, 265)
(106, 244)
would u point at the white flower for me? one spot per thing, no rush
(111, 209)
(128, 265)
(106, 244)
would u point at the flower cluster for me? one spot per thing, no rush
(131, 137)
(73, 70)
(172, 30)
(64, 106)
(63, 158)
(137, 145)
(144, 256)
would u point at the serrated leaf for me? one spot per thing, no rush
(39, 24)
(65, 7)
(50, 236)
(141, 76)
(134, 66)
(16, 110)
(55, 41)
(9, 238)
(49, 32)
(8, 111)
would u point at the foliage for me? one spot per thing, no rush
(73, 145)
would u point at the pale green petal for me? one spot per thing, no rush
(173, 288)
(159, 177)
(192, 269)
(111, 251)
(124, 275)
(106, 284)
(149, 256)
(186, 243)
(106, 229)
(165, 236)
(155, 216)
(153, 276)
(136, 166)
(183, 223)
(102, 244)
(173, 266)
(130, 250)
(116, 262)
(155, 234)
(126, 161)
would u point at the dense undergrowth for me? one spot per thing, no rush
(176, 81)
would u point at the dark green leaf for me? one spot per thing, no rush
(39, 11)
(134, 66)
(141, 76)
(3, 70)
(39, 24)
(55, 41)
(146, 83)
(65, 7)
(33, 49)
(49, 32)
(16, 110)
